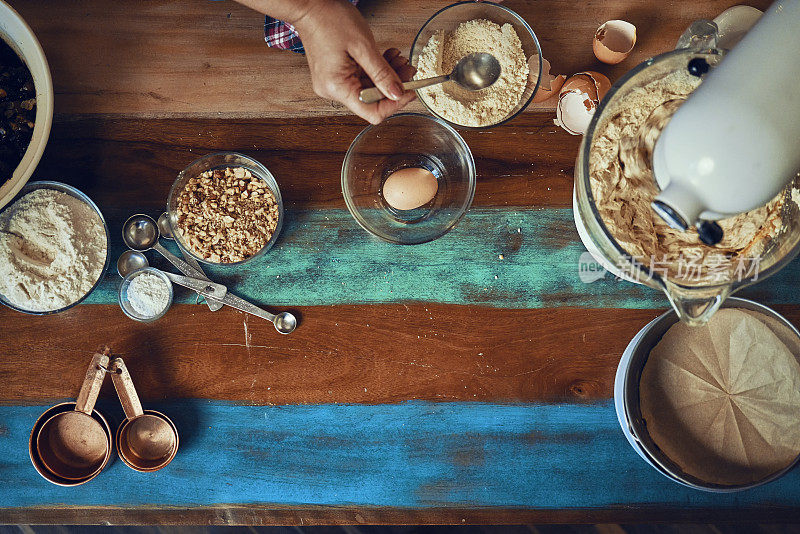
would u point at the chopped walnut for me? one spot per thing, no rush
(226, 215)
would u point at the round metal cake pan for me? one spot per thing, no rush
(626, 399)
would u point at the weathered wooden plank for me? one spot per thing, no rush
(306, 515)
(342, 354)
(338, 354)
(417, 455)
(209, 58)
(324, 257)
(133, 162)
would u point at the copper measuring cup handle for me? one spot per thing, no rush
(91, 384)
(125, 390)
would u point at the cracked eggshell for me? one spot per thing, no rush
(601, 83)
(613, 41)
(578, 100)
(551, 85)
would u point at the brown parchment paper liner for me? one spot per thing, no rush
(722, 401)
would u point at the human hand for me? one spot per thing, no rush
(343, 59)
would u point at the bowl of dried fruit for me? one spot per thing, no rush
(26, 103)
(225, 209)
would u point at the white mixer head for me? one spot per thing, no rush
(730, 147)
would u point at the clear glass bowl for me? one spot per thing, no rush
(448, 19)
(408, 140)
(125, 303)
(68, 189)
(216, 161)
(695, 303)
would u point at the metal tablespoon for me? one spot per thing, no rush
(166, 232)
(140, 233)
(472, 72)
(131, 261)
(284, 322)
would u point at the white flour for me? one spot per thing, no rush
(52, 250)
(148, 294)
(474, 108)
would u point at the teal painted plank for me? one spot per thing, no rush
(414, 454)
(324, 257)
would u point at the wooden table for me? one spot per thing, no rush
(465, 380)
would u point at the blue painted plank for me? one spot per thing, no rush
(323, 257)
(414, 454)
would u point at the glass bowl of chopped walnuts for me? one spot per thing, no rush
(225, 209)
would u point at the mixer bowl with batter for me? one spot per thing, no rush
(614, 187)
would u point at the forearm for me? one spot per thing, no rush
(291, 11)
(340, 50)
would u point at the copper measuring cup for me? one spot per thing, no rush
(73, 445)
(147, 440)
(34, 455)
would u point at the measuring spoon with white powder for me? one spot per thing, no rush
(131, 261)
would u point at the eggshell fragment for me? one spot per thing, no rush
(580, 83)
(601, 83)
(578, 100)
(410, 188)
(550, 85)
(613, 41)
(574, 112)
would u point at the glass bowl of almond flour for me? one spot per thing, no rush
(54, 245)
(465, 28)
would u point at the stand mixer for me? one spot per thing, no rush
(728, 148)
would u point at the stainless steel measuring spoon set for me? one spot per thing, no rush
(141, 233)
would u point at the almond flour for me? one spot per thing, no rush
(52, 250)
(148, 294)
(474, 108)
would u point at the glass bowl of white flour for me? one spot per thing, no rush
(145, 295)
(54, 245)
(465, 28)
